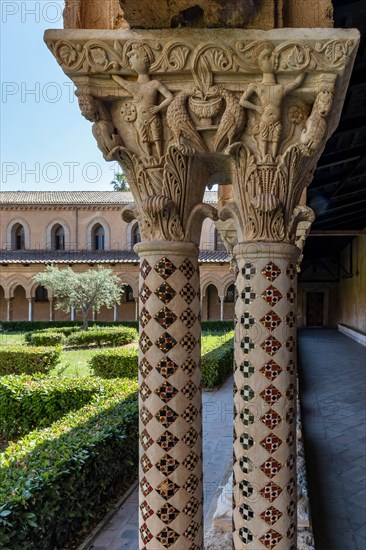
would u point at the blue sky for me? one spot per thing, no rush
(45, 142)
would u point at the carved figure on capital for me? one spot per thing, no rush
(270, 95)
(144, 110)
(94, 110)
(316, 125)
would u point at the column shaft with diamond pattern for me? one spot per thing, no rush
(170, 497)
(264, 387)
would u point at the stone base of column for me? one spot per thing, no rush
(170, 494)
(264, 468)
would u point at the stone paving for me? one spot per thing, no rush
(332, 371)
(333, 396)
(122, 531)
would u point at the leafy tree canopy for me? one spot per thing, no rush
(120, 182)
(83, 291)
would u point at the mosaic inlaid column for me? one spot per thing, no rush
(170, 503)
(265, 382)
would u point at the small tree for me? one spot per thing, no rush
(83, 291)
(120, 182)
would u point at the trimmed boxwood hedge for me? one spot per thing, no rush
(115, 363)
(45, 338)
(217, 326)
(53, 481)
(217, 365)
(21, 326)
(29, 360)
(29, 403)
(103, 337)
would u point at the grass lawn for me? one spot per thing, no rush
(10, 338)
(74, 362)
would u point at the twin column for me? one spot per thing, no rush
(170, 397)
(171, 496)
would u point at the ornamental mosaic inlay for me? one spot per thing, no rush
(271, 370)
(271, 394)
(165, 268)
(271, 271)
(271, 443)
(188, 318)
(248, 295)
(145, 268)
(271, 539)
(166, 391)
(187, 269)
(271, 419)
(271, 515)
(291, 272)
(166, 367)
(246, 512)
(248, 271)
(165, 317)
(246, 368)
(271, 467)
(271, 320)
(247, 344)
(165, 292)
(271, 491)
(271, 345)
(167, 513)
(272, 295)
(165, 342)
(247, 320)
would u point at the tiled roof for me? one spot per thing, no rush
(90, 257)
(76, 197)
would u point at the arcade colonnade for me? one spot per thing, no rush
(23, 300)
(179, 110)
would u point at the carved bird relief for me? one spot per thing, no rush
(180, 123)
(232, 121)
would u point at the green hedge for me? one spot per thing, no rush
(115, 363)
(45, 338)
(102, 337)
(29, 360)
(29, 403)
(217, 326)
(53, 481)
(21, 326)
(217, 365)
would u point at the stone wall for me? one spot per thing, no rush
(352, 291)
(150, 14)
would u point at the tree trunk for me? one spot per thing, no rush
(85, 320)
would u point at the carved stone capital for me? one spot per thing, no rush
(181, 109)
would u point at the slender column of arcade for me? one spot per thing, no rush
(265, 393)
(170, 496)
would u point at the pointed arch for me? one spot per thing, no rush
(51, 230)
(10, 236)
(90, 233)
(211, 279)
(132, 282)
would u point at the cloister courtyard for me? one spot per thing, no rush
(182, 358)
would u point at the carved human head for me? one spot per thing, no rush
(266, 59)
(89, 107)
(139, 58)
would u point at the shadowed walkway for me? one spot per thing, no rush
(332, 370)
(121, 533)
